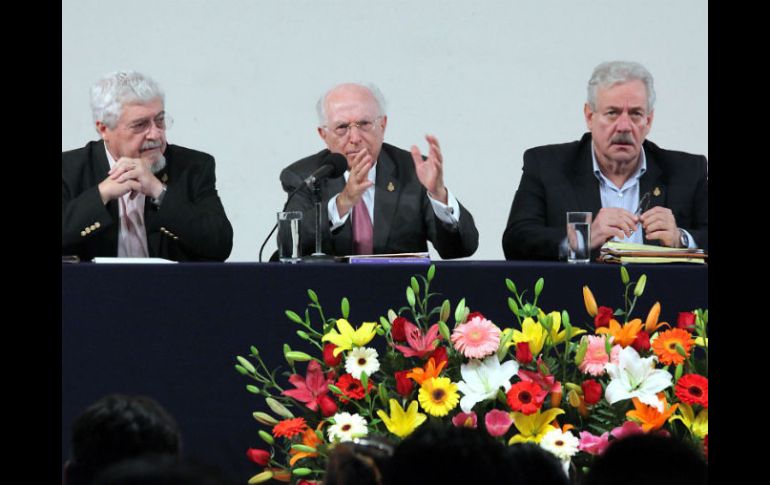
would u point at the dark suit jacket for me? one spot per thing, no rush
(560, 178)
(403, 218)
(190, 224)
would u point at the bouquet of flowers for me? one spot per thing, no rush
(540, 378)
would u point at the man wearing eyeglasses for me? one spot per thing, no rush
(636, 191)
(389, 200)
(134, 195)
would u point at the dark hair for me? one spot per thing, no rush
(161, 470)
(363, 461)
(117, 427)
(436, 453)
(531, 464)
(667, 461)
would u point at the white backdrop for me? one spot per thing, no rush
(488, 78)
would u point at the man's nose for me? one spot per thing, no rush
(354, 134)
(624, 122)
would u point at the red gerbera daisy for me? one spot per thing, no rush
(289, 427)
(526, 397)
(351, 387)
(693, 389)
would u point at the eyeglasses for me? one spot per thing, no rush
(644, 204)
(364, 126)
(163, 122)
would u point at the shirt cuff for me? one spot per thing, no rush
(690, 240)
(335, 220)
(448, 213)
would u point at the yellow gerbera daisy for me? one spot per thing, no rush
(438, 396)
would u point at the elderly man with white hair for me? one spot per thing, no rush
(132, 194)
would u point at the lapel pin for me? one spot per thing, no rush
(391, 187)
(656, 191)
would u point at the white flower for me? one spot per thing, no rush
(347, 426)
(634, 376)
(482, 379)
(362, 359)
(562, 444)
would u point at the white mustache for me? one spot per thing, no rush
(150, 145)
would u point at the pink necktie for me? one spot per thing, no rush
(362, 229)
(132, 227)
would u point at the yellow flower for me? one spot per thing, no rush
(624, 334)
(590, 302)
(347, 337)
(698, 426)
(558, 337)
(401, 423)
(532, 427)
(532, 333)
(438, 396)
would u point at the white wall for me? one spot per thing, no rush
(488, 78)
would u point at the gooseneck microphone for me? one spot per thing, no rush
(333, 166)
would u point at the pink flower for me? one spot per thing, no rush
(497, 422)
(312, 389)
(592, 444)
(476, 338)
(547, 383)
(629, 428)
(595, 357)
(467, 420)
(419, 344)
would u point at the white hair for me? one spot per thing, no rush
(610, 73)
(320, 106)
(113, 91)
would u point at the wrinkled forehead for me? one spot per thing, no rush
(632, 94)
(350, 106)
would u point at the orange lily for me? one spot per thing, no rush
(419, 374)
(590, 302)
(651, 324)
(649, 417)
(309, 438)
(624, 334)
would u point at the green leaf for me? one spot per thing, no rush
(382, 391)
(313, 297)
(364, 381)
(335, 389)
(431, 272)
(294, 317)
(678, 372)
(246, 364)
(345, 307)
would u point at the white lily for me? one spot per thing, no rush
(634, 376)
(482, 379)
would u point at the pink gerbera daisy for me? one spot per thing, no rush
(595, 357)
(476, 338)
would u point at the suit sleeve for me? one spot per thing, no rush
(527, 235)
(196, 215)
(451, 242)
(700, 209)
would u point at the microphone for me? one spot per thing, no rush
(334, 165)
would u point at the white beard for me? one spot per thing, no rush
(159, 165)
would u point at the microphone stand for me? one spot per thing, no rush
(318, 256)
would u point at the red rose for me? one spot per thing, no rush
(260, 457)
(686, 320)
(473, 315)
(404, 385)
(592, 391)
(439, 355)
(642, 342)
(397, 329)
(329, 358)
(327, 405)
(602, 318)
(523, 354)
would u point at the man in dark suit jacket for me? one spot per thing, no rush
(410, 203)
(169, 191)
(606, 173)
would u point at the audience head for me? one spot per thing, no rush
(161, 470)
(644, 459)
(530, 464)
(363, 461)
(118, 427)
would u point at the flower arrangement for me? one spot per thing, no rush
(540, 378)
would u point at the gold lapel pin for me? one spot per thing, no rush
(391, 187)
(164, 178)
(656, 191)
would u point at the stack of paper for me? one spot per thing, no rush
(619, 252)
(418, 258)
